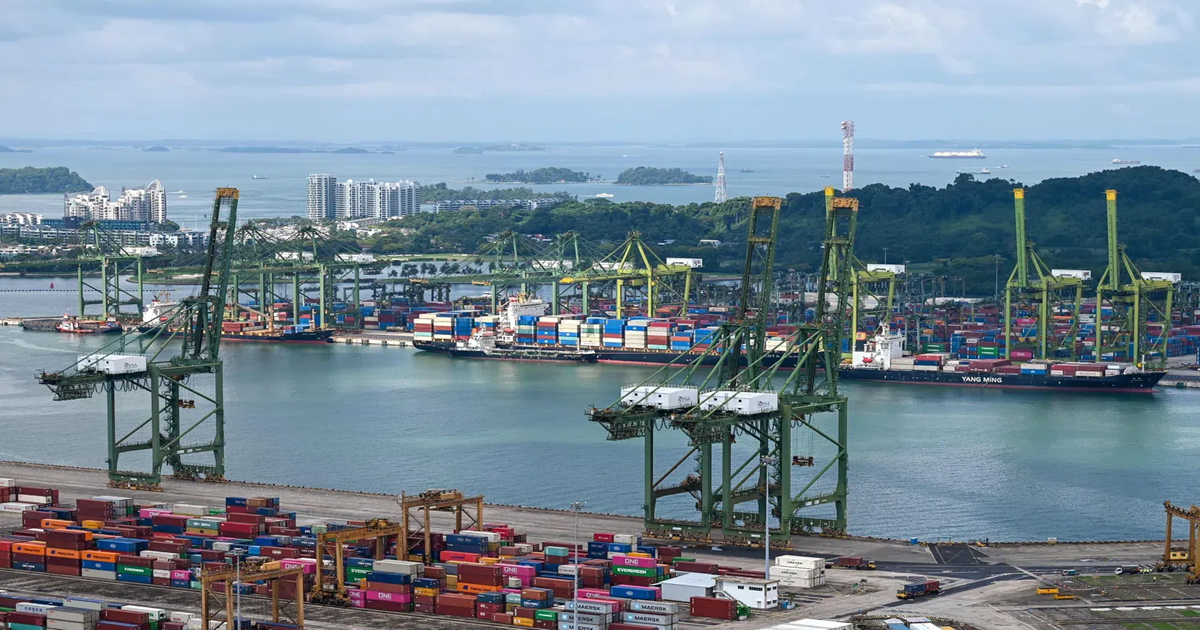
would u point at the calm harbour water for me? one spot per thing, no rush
(772, 171)
(925, 461)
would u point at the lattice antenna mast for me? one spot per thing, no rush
(722, 194)
(847, 156)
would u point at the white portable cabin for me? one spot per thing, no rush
(756, 593)
(664, 398)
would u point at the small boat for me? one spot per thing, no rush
(183, 196)
(745, 170)
(604, 195)
(1120, 161)
(259, 177)
(985, 171)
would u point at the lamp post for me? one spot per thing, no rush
(767, 461)
(576, 507)
(237, 563)
(885, 255)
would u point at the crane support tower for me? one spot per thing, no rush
(1135, 298)
(1034, 290)
(171, 373)
(217, 596)
(1185, 558)
(754, 432)
(418, 510)
(100, 248)
(331, 589)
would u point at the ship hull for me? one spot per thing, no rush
(308, 336)
(99, 330)
(518, 353)
(1141, 383)
(958, 157)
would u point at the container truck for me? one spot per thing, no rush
(919, 589)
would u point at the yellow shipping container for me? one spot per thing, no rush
(524, 622)
(93, 524)
(427, 592)
(638, 554)
(488, 561)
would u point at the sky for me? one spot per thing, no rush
(597, 70)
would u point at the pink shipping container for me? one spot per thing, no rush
(381, 596)
(634, 561)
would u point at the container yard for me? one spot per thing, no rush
(147, 549)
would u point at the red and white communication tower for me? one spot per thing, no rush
(847, 156)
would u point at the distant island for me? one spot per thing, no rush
(289, 150)
(4, 149)
(38, 181)
(549, 175)
(495, 148)
(442, 192)
(157, 149)
(648, 176)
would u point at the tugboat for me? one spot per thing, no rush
(76, 326)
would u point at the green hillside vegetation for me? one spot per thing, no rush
(442, 192)
(648, 176)
(956, 230)
(37, 181)
(548, 175)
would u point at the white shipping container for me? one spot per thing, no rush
(399, 566)
(98, 574)
(925, 368)
(896, 269)
(5, 482)
(33, 498)
(83, 602)
(800, 562)
(161, 555)
(694, 263)
(189, 510)
(32, 608)
(161, 573)
(1162, 275)
(796, 572)
(178, 616)
(662, 608)
(627, 539)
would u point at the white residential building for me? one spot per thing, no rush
(147, 204)
(377, 200)
(322, 196)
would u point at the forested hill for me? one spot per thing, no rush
(966, 223)
(30, 180)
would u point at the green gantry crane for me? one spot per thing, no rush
(749, 408)
(1042, 290)
(1133, 296)
(150, 362)
(101, 248)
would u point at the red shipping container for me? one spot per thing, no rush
(713, 608)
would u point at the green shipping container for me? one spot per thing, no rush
(125, 569)
(357, 573)
(636, 571)
(681, 559)
(546, 615)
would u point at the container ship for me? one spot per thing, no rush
(884, 360)
(522, 332)
(973, 154)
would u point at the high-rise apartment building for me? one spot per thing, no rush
(147, 204)
(375, 200)
(322, 196)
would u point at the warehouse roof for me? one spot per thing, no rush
(692, 579)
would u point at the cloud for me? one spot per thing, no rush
(180, 58)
